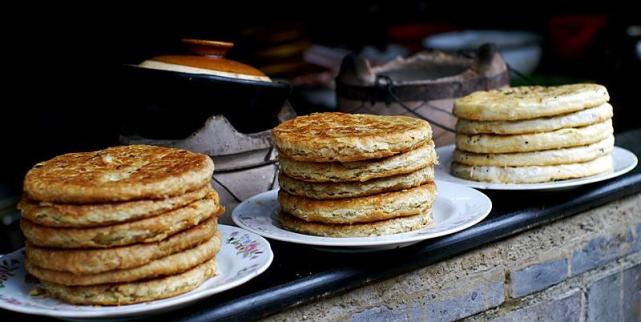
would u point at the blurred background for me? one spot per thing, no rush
(64, 90)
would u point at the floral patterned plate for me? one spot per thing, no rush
(243, 256)
(457, 207)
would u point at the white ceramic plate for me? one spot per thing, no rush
(624, 161)
(457, 207)
(243, 256)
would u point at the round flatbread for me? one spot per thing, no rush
(117, 174)
(377, 228)
(133, 292)
(563, 138)
(147, 230)
(325, 137)
(91, 215)
(338, 190)
(580, 118)
(356, 171)
(168, 265)
(93, 261)
(548, 157)
(362, 209)
(532, 174)
(528, 102)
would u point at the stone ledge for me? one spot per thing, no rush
(601, 300)
(528, 268)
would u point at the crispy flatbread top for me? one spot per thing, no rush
(117, 174)
(528, 102)
(325, 137)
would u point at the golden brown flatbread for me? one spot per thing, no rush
(146, 230)
(133, 292)
(326, 137)
(169, 265)
(533, 174)
(562, 138)
(377, 228)
(403, 163)
(528, 102)
(339, 190)
(120, 173)
(91, 215)
(362, 209)
(93, 261)
(580, 118)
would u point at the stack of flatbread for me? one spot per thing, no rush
(533, 134)
(355, 175)
(123, 225)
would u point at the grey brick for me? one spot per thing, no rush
(538, 277)
(381, 313)
(415, 308)
(474, 301)
(636, 245)
(566, 308)
(632, 294)
(597, 252)
(604, 299)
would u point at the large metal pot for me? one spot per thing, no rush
(424, 85)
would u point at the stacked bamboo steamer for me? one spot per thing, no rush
(355, 175)
(534, 134)
(123, 225)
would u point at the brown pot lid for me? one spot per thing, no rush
(207, 59)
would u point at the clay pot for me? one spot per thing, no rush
(171, 96)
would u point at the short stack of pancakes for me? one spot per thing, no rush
(123, 225)
(355, 175)
(533, 134)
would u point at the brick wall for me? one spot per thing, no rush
(584, 268)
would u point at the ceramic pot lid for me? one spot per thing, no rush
(206, 58)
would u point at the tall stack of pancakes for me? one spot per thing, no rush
(533, 134)
(123, 225)
(355, 175)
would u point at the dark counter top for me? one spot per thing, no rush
(300, 275)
